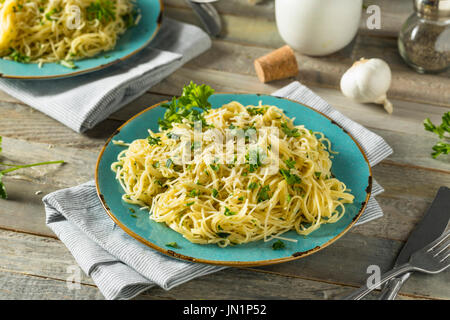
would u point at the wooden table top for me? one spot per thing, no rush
(34, 263)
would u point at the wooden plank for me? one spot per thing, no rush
(24, 212)
(15, 286)
(22, 122)
(42, 258)
(80, 167)
(327, 71)
(393, 13)
(401, 181)
(407, 116)
(243, 284)
(35, 255)
(400, 216)
(329, 265)
(403, 130)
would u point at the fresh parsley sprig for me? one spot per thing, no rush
(443, 132)
(190, 105)
(14, 167)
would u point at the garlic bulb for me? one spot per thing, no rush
(368, 81)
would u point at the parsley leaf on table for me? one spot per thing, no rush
(14, 167)
(442, 131)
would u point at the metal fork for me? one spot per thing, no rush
(431, 259)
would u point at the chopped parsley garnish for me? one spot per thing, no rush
(68, 64)
(290, 163)
(214, 192)
(133, 216)
(172, 245)
(18, 57)
(153, 140)
(49, 14)
(228, 212)
(253, 158)
(289, 132)
(169, 163)
(277, 245)
(196, 145)
(223, 234)
(215, 167)
(253, 185)
(290, 178)
(156, 165)
(190, 204)
(193, 100)
(129, 20)
(288, 199)
(131, 210)
(171, 135)
(317, 174)
(255, 111)
(194, 193)
(263, 194)
(102, 10)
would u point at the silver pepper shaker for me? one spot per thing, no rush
(424, 40)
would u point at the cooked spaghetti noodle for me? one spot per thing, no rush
(41, 31)
(208, 200)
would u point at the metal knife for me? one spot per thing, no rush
(208, 15)
(433, 224)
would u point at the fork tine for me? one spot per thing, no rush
(442, 248)
(442, 260)
(436, 242)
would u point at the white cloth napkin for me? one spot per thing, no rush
(121, 266)
(83, 101)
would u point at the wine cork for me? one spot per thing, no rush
(278, 64)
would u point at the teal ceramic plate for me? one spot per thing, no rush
(350, 166)
(130, 43)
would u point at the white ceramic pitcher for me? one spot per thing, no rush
(318, 27)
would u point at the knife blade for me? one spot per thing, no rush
(432, 225)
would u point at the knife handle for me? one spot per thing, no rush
(392, 287)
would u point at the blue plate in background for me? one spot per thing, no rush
(350, 166)
(130, 43)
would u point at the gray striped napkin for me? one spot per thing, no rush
(122, 267)
(82, 102)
